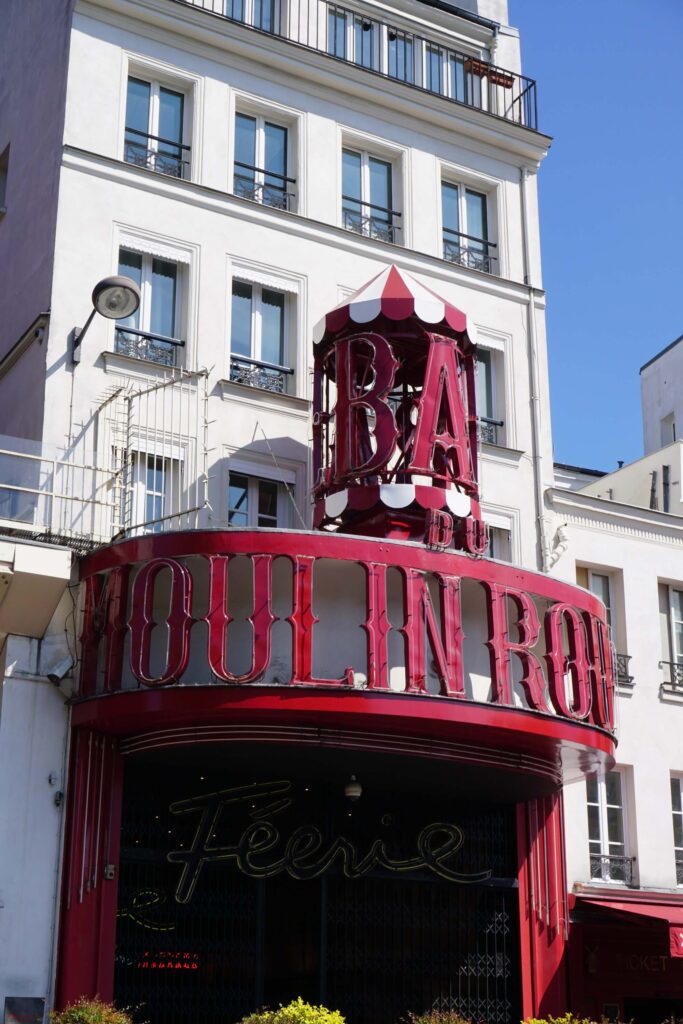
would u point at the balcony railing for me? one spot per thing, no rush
(674, 671)
(256, 374)
(370, 220)
(487, 429)
(257, 184)
(623, 676)
(157, 154)
(679, 867)
(157, 348)
(466, 251)
(382, 48)
(611, 868)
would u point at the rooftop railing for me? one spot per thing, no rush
(385, 49)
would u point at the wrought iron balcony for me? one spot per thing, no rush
(612, 868)
(487, 429)
(623, 676)
(157, 154)
(143, 345)
(381, 48)
(264, 187)
(377, 222)
(674, 670)
(256, 374)
(467, 251)
(679, 867)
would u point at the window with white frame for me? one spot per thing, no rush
(156, 129)
(604, 586)
(677, 811)
(258, 502)
(488, 396)
(259, 340)
(607, 832)
(266, 15)
(465, 226)
(152, 332)
(150, 492)
(675, 630)
(261, 166)
(368, 195)
(499, 546)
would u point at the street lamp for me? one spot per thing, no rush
(114, 298)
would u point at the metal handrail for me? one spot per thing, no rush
(675, 673)
(371, 206)
(151, 336)
(260, 363)
(471, 238)
(156, 138)
(269, 174)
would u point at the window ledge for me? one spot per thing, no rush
(500, 453)
(231, 391)
(116, 362)
(670, 694)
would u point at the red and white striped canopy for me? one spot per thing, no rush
(397, 295)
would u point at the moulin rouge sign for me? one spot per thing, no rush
(395, 457)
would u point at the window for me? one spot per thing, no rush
(367, 196)
(353, 37)
(677, 810)
(499, 544)
(152, 331)
(261, 158)
(258, 339)
(609, 860)
(155, 128)
(490, 427)
(256, 502)
(676, 636)
(464, 214)
(262, 14)
(400, 56)
(668, 429)
(151, 491)
(603, 586)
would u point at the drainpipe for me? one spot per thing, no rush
(534, 388)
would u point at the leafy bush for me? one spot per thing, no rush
(90, 1011)
(566, 1018)
(437, 1017)
(296, 1012)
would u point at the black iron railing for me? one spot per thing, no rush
(257, 374)
(381, 48)
(144, 345)
(257, 184)
(467, 251)
(370, 220)
(487, 429)
(624, 678)
(157, 154)
(674, 670)
(612, 868)
(679, 867)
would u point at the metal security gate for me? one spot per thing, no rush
(233, 897)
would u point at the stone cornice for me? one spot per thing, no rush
(589, 512)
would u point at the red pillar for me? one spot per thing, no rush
(90, 880)
(543, 911)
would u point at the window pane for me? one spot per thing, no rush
(264, 15)
(276, 163)
(245, 145)
(592, 791)
(678, 831)
(400, 53)
(613, 789)
(484, 385)
(137, 105)
(364, 42)
(162, 320)
(130, 265)
(267, 503)
(240, 338)
(677, 604)
(235, 9)
(475, 204)
(351, 175)
(433, 66)
(336, 32)
(676, 795)
(457, 76)
(238, 500)
(599, 585)
(678, 640)
(449, 207)
(171, 115)
(272, 326)
(380, 186)
(615, 829)
(594, 824)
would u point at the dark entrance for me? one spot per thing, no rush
(240, 888)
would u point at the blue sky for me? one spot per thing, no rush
(610, 92)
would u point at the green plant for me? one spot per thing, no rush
(566, 1018)
(296, 1012)
(437, 1017)
(90, 1011)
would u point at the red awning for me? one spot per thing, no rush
(670, 914)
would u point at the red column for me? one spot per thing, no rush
(90, 878)
(543, 911)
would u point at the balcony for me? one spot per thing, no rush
(255, 374)
(370, 220)
(487, 430)
(679, 867)
(265, 187)
(623, 676)
(612, 868)
(673, 672)
(381, 48)
(466, 251)
(156, 348)
(156, 154)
